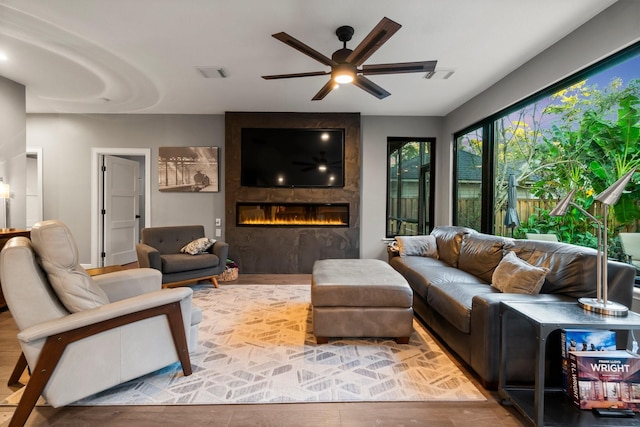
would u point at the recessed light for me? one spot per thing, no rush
(3, 56)
(439, 74)
(213, 72)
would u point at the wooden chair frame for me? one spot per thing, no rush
(56, 345)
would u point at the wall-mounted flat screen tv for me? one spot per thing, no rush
(274, 157)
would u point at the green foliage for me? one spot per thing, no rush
(594, 139)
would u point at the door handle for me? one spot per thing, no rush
(137, 216)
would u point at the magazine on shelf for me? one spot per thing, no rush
(604, 379)
(583, 340)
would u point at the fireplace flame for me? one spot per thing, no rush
(294, 221)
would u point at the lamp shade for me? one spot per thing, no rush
(563, 205)
(611, 195)
(5, 190)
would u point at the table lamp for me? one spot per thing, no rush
(607, 198)
(5, 193)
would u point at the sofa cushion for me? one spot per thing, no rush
(449, 240)
(422, 272)
(453, 301)
(176, 263)
(197, 246)
(169, 240)
(514, 275)
(56, 247)
(417, 246)
(572, 269)
(480, 254)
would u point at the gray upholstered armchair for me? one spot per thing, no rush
(159, 248)
(81, 335)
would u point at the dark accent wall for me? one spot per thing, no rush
(291, 249)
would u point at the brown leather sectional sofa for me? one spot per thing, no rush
(453, 295)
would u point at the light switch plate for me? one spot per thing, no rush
(218, 232)
(218, 222)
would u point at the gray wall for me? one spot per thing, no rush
(375, 130)
(67, 140)
(613, 29)
(13, 151)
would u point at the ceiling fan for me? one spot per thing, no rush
(345, 62)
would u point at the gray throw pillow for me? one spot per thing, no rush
(417, 246)
(514, 275)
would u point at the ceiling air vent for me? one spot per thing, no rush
(439, 74)
(213, 72)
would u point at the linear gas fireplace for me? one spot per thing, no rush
(292, 214)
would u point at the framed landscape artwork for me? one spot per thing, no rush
(188, 169)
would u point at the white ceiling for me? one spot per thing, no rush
(140, 56)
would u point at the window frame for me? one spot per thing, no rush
(487, 215)
(425, 169)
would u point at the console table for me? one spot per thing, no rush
(5, 235)
(545, 318)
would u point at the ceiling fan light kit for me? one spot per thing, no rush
(343, 73)
(344, 62)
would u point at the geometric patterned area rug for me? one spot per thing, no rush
(256, 345)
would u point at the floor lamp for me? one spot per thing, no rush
(607, 198)
(5, 193)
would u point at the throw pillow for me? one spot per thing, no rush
(58, 255)
(197, 246)
(514, 275)
(417, 246)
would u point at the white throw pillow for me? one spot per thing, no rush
(197, 246)
(417, 246)
(514, 275)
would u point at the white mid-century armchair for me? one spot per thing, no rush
(81, 335)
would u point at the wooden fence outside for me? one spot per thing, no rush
(469, 214)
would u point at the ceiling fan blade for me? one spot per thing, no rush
(298, 45)
(376, 38)
(369, 86)
(401, 67)
(289, 76)
(328, 87)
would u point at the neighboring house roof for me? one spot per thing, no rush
(469, 166)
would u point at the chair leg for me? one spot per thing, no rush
(55, 346)
(49, 357)
(214, 281)
(174, 317)
(21, 365)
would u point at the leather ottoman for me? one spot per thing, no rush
(360, 298)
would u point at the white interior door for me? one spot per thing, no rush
(34, 186)
(120, 210)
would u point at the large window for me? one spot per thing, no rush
(468, 185)
(409, 186)
(581, 134)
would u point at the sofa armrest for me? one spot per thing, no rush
(485, 336)
(148, 257)
(124, 284)
(221, 250)
(621, 278)
(108, 312)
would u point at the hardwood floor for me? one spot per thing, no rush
(428, 414)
